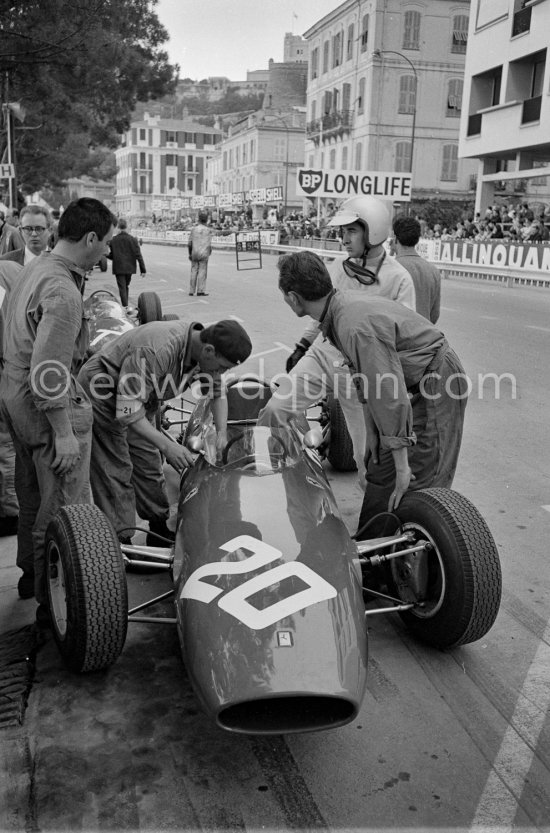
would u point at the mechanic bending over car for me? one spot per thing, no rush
(411, 383)
(125, 382)
(45, 409)
(316, 367)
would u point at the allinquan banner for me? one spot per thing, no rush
(386, 185)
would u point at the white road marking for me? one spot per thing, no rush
(448, 309)
(188, 304)
(499, 801)
(547, 507)
(266, 352)
(489, 317)
(534, 327)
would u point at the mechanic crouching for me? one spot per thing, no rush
(125, 382)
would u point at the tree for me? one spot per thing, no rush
(78, 69)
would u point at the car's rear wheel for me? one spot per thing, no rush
(340, 447)
(456, 582)
(86, 586)
(149, 307)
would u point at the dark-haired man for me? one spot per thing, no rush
(35, 228)
(410, 381)
(125, 253)
(426, 276)
(46, 410)
(125, 383)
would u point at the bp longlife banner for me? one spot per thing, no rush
(385, 185)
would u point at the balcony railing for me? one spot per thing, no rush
(531, 109)
(522, 21)
(333, 123)
(474, 124)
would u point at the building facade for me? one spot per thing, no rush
(506, 119)
(160, 164)
(385, 92)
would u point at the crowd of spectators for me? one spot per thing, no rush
(516, 223)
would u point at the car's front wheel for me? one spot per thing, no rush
(455, 583)
(86, 587)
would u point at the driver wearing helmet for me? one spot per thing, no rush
(316, 367)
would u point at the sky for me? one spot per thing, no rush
(229, 37)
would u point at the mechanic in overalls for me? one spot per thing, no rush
(46, 411)
(412, 385)
(125, 381)
(316, 367)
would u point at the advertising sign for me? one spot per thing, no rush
(386, 185)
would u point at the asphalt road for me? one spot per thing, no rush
(458, 740)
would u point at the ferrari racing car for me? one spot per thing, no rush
(270, 593)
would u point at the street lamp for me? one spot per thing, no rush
(378, 54)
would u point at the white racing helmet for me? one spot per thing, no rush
(368, 211)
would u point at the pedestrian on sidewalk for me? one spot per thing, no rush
(200, 249)
(125, 254)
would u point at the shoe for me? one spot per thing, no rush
(191, 293)
(8, 526)
(43, 617)
(202, 293)
(156, 529)
(25, 585)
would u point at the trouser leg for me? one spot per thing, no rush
(346, 394)
(194, 275)
(9, 506)
(202, 274)
(122, 283)
(111, 475)
(438, 419)
(148, 479)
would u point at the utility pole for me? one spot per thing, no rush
(9, 173)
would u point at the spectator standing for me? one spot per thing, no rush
(407, 375)
(35, 228)
(46, 410)
(10, 237)
(426, 276)
(125, 253)
(200, 249)
(56, 214)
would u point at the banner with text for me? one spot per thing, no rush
(385, 185)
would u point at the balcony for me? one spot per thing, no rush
(474, 124)
(531, 109)
(522, 21)
(334, 123)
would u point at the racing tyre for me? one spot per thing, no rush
(340, 447)
(149, 307)
(170, 316)
(87, 589)
(457, 581)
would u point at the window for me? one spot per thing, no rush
(171, 160)
(335, 99)
(143, 185)
(402, 157)
(349, 47)
(460, 33)
(171, 136)
(142, 134)
(244, 154)
(230, 158)
(327, 101)
(224, 161)
(189, 184)
(344, 158)
(142, 161)
(314, 63)
(411, 32)
(326, 46)
(361, 96)
(364, 33)
(171, 183)
(332, 159)
(337, 49)
(358, 154)
(454, 98)
(449, 168)
(279, 150)
(407, 94)
(237, 157)
(313, 110)
(346, 96)
(189, 163)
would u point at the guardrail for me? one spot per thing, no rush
(504, 262)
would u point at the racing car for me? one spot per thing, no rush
(107, 318)
(271, 595)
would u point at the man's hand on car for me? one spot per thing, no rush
(178, 456)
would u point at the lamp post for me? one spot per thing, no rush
(378, 54)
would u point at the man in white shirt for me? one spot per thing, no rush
(35, 230)
(316, 367)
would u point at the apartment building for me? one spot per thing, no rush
(505, 124)
(161, 163)
(385, 92)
